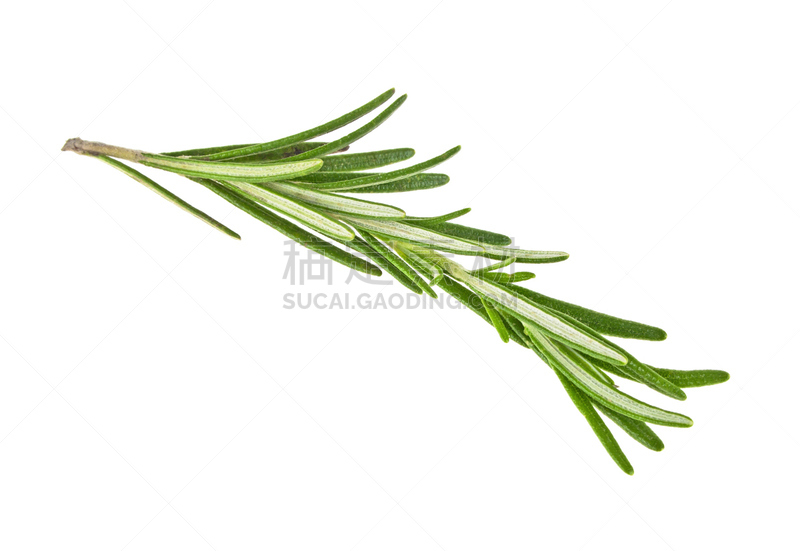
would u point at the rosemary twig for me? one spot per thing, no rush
(304, 180)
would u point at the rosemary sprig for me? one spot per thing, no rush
(304, 180)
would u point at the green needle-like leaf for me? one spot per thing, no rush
(414, 235)
(384, 177)
(366, 161)
(517, 329)
(279, 154)
(168, 195)
(416, 182)
(600, 429)
(575, 368)
(308, 134)
(433, 220)
(636, 429)
(336, 145)
(467, 233)
(205, 150)
(241, 201)
(693, 378)
(300, 212)
(398, 262)
(239, 172)
(602, 323)
(496, 266)
(523, 255)
(504, 278)
(497, 321)
(333, 202)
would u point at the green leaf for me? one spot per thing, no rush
(411, 183)
(241, 201)
(575, 368)
(417, 236)
(300, 212)
(366, 161)
(416, 182)
(497, 321)
(523, 255)
(504, 278)
(602, 323)
(346, 205)
(264, 156)
(205, 150)
(600, 429)
(522, 276)
(493, 267)
(168, 195)
(693, 378)
(636, 429)
(385, 177)
(438, 219)
(482, 237)
(239, 172)
(308, 134)
(516, 329)
(278, 154)
(353, 136)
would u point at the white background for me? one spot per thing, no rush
(154, 394)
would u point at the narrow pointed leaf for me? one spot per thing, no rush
(493, 267)
(574, 367)
(417, 236)
(433, 220)
(495, 277)
(636, 429)
(241, 201)
(599, 428)
(308, 134)
(346, 205)
(522, 276)
(385, 177)
(240, 172)
(516, 328)
(366, 161)
(693, 378)
(168, 195)
(300, 212)
(205, 150)
(523, 255)
(497, 321)
(277, 154)
(353, 136)
(483, 237)
(411, 183)
(416, 182)
(602, 323)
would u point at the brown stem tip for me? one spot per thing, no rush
(82, 147)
